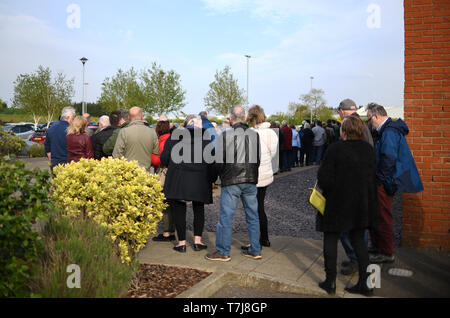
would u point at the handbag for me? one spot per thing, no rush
(162, 176)
(317, 200)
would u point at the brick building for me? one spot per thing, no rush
(426, 215)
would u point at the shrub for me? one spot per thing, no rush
(10, 144)
(84, 243)
(36, 151)
(23, 200)
(117, 194)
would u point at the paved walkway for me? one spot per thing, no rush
(295, 266)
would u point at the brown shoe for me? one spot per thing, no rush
(216, 256)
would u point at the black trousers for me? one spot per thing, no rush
(261, 195)
(179, 217)
(330, 241)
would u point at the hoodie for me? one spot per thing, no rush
(396, 169)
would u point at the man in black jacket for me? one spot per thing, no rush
(107, 125)
(237, 163)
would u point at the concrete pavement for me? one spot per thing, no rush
(295, 266)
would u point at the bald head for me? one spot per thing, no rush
(136, 113)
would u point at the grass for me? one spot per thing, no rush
(84, 243)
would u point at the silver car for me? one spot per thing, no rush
(22, 131)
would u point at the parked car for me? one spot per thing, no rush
(93, 126)
(23, 131)
(39, 136)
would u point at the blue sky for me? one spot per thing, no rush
(289, 41)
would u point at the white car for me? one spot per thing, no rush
(24, 131)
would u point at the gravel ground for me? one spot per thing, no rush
(288, 210)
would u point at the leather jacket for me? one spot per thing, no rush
(242, 147)
(79, 146)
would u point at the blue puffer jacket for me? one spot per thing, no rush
(396, 169)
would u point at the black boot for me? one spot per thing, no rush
(361, 288)
(328, 286)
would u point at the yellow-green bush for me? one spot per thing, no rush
(115, 193)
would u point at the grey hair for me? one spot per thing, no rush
(376, 109)
(104, 120)
(284, 123)
(67, 112)
(193, 120)
(237, 114)
(306, 125)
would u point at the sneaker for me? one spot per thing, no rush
(350, 269)
(381, 258)
(216, 256)
(254, 256)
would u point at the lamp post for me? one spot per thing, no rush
(83, 104)
(248, 59)
(311, 93)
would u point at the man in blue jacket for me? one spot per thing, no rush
(396, 170)
(55, 140)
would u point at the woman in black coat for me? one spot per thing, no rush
(347, 178)
(188, 178)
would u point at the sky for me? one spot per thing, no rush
(353, 48)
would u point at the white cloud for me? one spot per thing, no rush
(276, 10)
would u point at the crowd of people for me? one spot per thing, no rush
(360, 169)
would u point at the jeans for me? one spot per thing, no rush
(317, 154)
(294, 156)
(345, 240)
(286, 160)
(229, 199)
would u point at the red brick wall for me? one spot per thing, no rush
(426, 215)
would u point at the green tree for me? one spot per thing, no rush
(299, 112)
(3, 105)
(324, 113)
(314, 100)
(41, 96)
(121, 91)
(162, 91)
(224, 93)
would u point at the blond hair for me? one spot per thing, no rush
(78, 126)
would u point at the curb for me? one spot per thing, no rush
(218, 280)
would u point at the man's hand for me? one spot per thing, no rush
(49, 156)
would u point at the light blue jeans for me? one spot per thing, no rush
(229, 198)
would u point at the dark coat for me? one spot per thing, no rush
(347, 177)
(99, 139)
(308, 138)
(187, 180)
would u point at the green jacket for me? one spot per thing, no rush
(108, 147)
(137, 142)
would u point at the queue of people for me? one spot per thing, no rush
(360, 169)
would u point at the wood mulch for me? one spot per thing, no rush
(161, 281)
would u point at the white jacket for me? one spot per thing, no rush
(269, 154)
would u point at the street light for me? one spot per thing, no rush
(248, 59)
(83, 104)
(310, 93)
